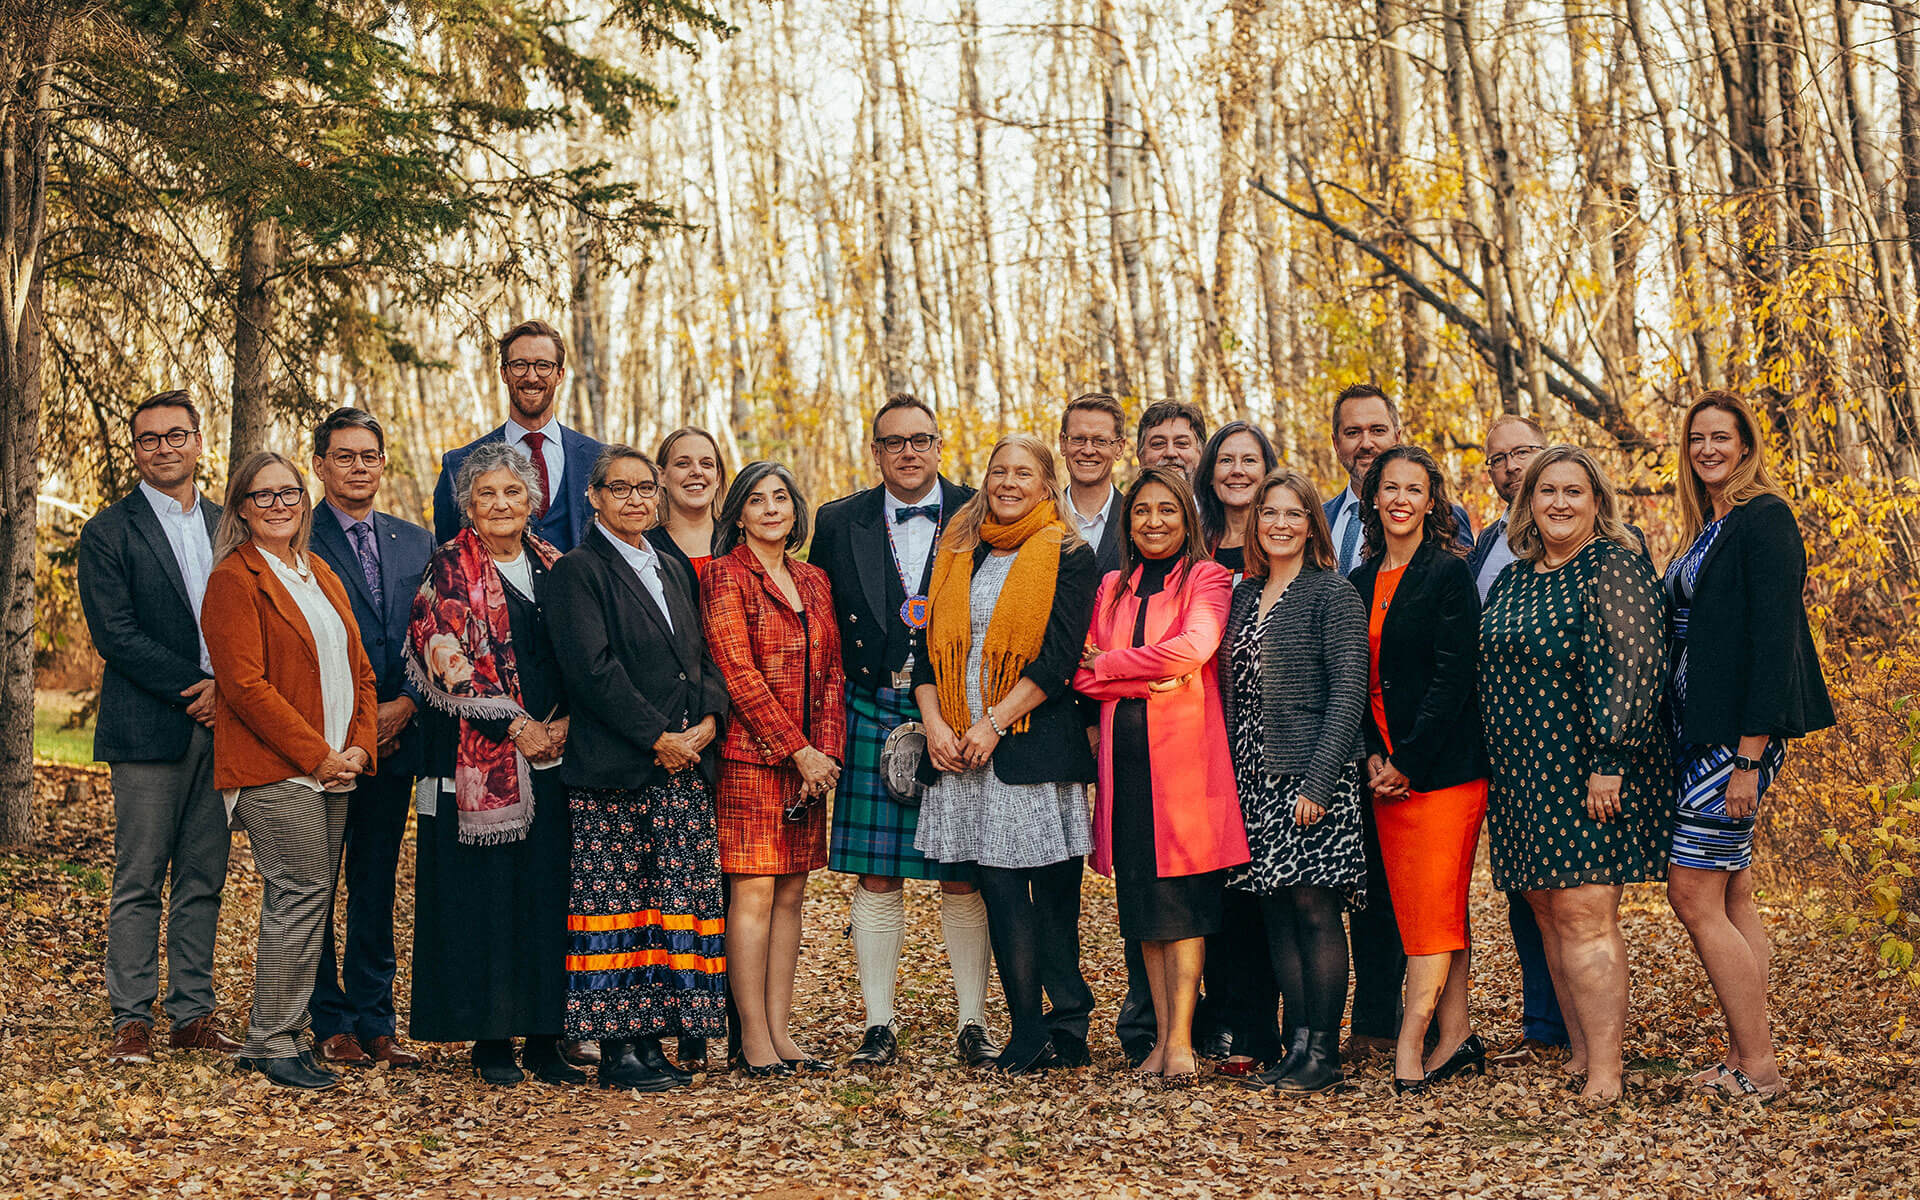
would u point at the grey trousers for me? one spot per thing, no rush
(295, 835)
(167, 820)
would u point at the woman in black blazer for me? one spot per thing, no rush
(1008, 611)
(1425, 766)
(1745, 677)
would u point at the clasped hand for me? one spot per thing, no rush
(680, 751)
(960, 752)
(341, 767)
(1385, 780)
(542, 741)
(818, 773)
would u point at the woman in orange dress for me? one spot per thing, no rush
(771, 630)
(1426, 767)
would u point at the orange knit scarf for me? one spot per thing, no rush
(1019, 622)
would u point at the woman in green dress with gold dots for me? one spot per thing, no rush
(1572, 667)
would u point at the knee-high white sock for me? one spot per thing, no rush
(879, 922)
(963, 922)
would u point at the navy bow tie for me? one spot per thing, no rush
(907, 513)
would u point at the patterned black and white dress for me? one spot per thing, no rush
(1328, 853)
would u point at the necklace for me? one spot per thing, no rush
(1555, 566)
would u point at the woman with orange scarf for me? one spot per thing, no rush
(1007, 757)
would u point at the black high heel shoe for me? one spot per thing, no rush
(1470, 1055)
(773, 1070)
(1409, 1087)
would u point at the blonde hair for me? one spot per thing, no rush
(963, 531)
(233, 529)
(1750, 476)
(1523, 535)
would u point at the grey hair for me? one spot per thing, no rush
(492, 456)
(613, 453)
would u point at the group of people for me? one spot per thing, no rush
(631, 719)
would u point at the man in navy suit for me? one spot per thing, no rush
(380, 558)
(533, 364)
(144, 563)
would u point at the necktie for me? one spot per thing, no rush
(364, 549)
(1350, 542)
(536, 443)
(908, 512)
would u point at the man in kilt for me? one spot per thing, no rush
(877, 548)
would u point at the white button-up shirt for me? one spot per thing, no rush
(1498, 556)
(1093, 528)
(645, 561)
(912, 540)
(550, 449)
(186, 531)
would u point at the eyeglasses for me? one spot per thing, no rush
(346, 459)
(921, 442)
(1090, 442)
(1516, 456)
(286, 497)
(620, 489)
(541, 367)
(175, 438)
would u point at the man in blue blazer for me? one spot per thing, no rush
(533, 364)
(143, 568)
(380, 558)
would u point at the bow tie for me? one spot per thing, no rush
(907, 513)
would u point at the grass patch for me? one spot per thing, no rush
(87, 879)
(52, 742)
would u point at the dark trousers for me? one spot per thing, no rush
(1540, 1017)
(356, 995)
(1136, 1026)
(1239, 974)
(1033, 920)
(1379, 962)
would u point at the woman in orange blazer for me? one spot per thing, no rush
(771, 630)
(1166, 819)
(293, 728)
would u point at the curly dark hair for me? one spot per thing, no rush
(1440, 526)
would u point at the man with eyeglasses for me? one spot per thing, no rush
(533, 364)
(877, 548)
(380, 558)
(1512, 441)
(1092, 433)
(143, 568)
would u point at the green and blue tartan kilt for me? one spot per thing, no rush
(873, 832)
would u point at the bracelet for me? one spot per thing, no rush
(514, 730)
(994, 725)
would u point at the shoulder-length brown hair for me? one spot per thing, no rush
(963, 531)
(1749, 479)
(1319, 554)
(1439, 527)
(1523, 535)
(233, 529)
(660, 460)
(1192, 547)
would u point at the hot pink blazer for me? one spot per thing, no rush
(1196, 807)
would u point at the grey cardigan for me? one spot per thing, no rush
(1313, 666)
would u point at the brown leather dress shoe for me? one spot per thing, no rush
(344, 1049)
(202, 1033)
(132, 1044)
(1525, 1052)
(387, 1049)
(580, 1054)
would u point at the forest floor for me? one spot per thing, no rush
(192, 1125)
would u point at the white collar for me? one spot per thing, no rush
(894, 502)
(643, 555)
(166, 505)
(517, 433)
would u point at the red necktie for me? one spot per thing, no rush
(536, 443)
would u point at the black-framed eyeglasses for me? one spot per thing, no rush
(345, 460)
(175, 438)
(286, 497)
(1083, 441)
(620, 489)
(894, 443)
(541, 367)
(1516, 456)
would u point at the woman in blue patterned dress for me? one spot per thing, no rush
(1745, 678)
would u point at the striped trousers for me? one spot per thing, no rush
(295, 835)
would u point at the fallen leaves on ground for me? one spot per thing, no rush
(192, 1126)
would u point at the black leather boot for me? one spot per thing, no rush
(1319, 1069)
(648, 1051)
(1295, 1055)
(621, 1068)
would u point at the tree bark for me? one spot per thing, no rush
(1493, 280)
(1907, 58)
(252, 420)
(1123, 142)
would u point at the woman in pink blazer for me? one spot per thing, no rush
(1166, 819)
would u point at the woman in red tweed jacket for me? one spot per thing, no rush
(770, 626)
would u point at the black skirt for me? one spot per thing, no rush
(1152, 908)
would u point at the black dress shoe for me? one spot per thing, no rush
(649, 1053)
(1470, 1056)
(620, 1068)
(1217, 1045)
(494, 1061)
(1137, 1050)
(1029, 1062)
(691, 1050)
(973, 1048)
(544, 1059)
(295, 1073)
(878, 1049)
(1071, 1050)
(1319, 1069)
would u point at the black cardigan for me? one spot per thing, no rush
(1054, 747)
(1429, 649)
(1751, 665)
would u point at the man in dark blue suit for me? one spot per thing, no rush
(380, 558)
(533, 364)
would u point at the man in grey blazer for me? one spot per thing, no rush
(143, 568)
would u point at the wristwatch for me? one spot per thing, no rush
(1742, 763)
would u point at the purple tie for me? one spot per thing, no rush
(363, 549)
